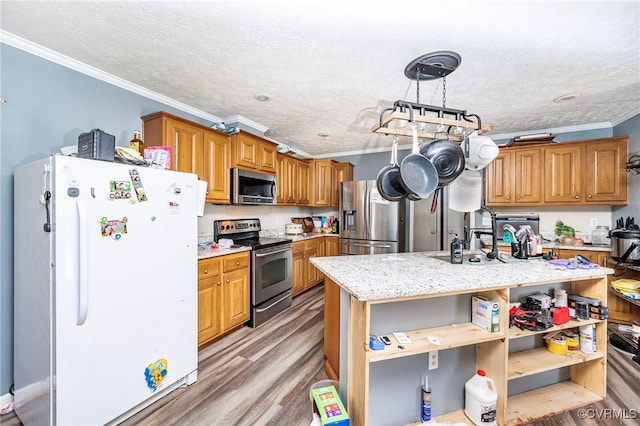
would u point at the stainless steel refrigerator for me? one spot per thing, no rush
(369, 223)
(434, 231)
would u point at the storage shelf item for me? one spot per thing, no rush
(449, 336)
(515, 333)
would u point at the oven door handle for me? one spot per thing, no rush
(272, 252)
(287, 294)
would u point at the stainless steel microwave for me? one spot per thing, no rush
(248, 187)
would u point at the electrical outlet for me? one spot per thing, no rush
(486, 221)
(593, 221)
(433, 360)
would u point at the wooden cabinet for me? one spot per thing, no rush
(293, 180)
(194, 149)
(563, 169)
(302, 185)
(254, 153)
(340, 172)
(223, 295)
(587, 172)
(217, 164)
(326, 176)
(321, 175)
(606, 181)
(209, 299)
(305, 275)
(332, 245)
(514, 178)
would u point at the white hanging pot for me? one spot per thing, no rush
(479, 151)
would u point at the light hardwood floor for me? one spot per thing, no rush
(262, 377)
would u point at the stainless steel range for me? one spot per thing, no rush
(271, 266)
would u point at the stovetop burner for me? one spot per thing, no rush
(245, 232)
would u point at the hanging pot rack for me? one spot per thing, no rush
(397, 120)
(429, 119)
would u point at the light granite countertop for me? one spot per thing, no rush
(397, 275)
(205, 252)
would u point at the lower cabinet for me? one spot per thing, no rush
(305, 275)
(223, 295)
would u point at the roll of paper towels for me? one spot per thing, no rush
(202, 195)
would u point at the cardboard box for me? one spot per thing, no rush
(485, 313)
(329, 406)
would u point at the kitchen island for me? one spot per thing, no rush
(429, 299)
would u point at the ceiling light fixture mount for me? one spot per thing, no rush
(430, 119)
(261, 97)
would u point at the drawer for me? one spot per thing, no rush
(311, 244)
(298, 247)
(209, 267)
(231, 262)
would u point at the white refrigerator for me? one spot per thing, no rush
(105, 289)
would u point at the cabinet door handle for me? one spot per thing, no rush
(589, 196)
(508, 197)
(237, 263)
(228, 281)
(206, 271)
(577, 197)
(517, 197)
(218, 282)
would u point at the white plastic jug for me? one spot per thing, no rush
(480, 400)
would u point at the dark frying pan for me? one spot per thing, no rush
(448, 159)
(388, 180)
(418, 176)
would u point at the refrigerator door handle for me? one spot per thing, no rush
(83, 297)
(367, 205)
(370, 245)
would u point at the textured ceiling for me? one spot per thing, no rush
(332, 66)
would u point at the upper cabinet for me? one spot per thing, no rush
(194, 149)
(321, 182)
(293, 180)
(210, 154)
(254, 153)
(341, 172)
(587, 172)
(311, 182)
(513, 178)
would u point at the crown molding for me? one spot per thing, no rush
(65, 61)
(247, 122)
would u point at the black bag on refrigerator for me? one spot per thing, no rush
(96, 145)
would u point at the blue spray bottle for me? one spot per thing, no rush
(426, 400)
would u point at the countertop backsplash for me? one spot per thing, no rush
(272, 218)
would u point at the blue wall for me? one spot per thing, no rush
(50, 105)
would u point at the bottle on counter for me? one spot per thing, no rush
(456, 250)
(136, 143)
